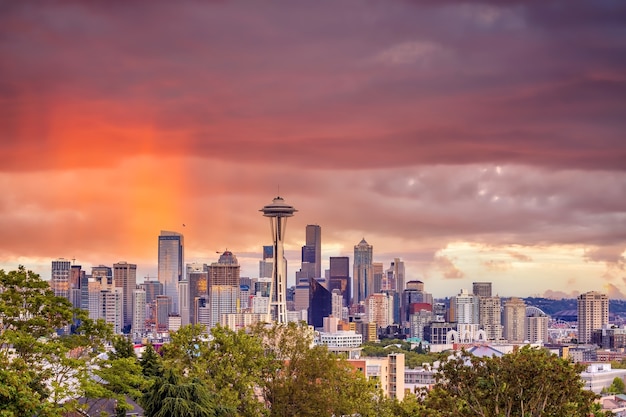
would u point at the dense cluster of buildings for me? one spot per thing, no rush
(361, 296)
(354, 301)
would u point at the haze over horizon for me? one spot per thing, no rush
(476, 141)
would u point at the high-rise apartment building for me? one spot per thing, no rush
(112, 308)
(466, 308)
(339, 277)
(139, 312)
(223, 286)
(537, 327)
(490, 317)
(514, 320)
(379, 309)
(482, 289)
(171, 261)
(593, 313)
(60, 278)
(311, 266)
(363, 271)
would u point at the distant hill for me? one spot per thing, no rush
(551, 307)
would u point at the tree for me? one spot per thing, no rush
(310, 380)
(46, 369)
(150, 362)
(617, 386)
(172, 396)
(529, 382)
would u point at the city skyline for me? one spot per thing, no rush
(475, 141)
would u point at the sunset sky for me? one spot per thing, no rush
(477, 141)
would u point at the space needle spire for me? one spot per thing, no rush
(278, 211)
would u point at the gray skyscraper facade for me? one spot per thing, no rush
(363, 271)
(171, 261)
(311, 266)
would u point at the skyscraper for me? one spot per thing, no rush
(320, 303)
(198, 277)
(395, 275)
(593, 313)
(223, 286)
(278, 212)
(60, 278)
(490, 317)
(125, 278)
(139, 311)
(363, 271)
(515, 320)
(311, 266)
(466, 308)
(266, 265)
(339, 277)
(171, 261)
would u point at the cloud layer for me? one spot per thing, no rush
(438, 130)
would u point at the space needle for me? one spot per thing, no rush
(278, 211)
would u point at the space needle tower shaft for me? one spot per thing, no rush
(278, 212)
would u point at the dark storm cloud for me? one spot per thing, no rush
(351, 85)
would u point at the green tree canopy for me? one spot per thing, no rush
(529, 382)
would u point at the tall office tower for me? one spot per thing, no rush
(139, 311)
(153, 289)
(514, 320)
(112, 308)
(466, 308)
(395, 276)
(482, 289)
(320, 303)
(60, 278)
(537, 327)
(377, 271)
(198, 277)
(593, 313)
(75, 295)
(363, 271)
(311, 266)
(183, 301)
(163, 309)
(244, 297)
(413, 294)
(223, 286)
(263, 286)
(339, 277)
(266, 265)
(490, 317)
(125, 277)
(203, 312)
(278, 212)
(378, 309)
(103, 275)
(84, 290)
(171, 261)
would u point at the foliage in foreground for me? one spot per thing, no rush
(266, 371)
